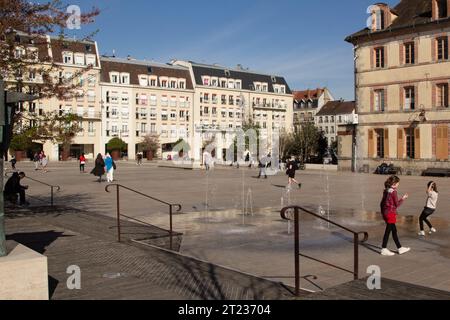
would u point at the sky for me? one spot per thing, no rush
(302, 40)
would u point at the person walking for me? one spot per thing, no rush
(389, 205)
(36, 161)
(13, 163)
(430, 208)
(290, 172)
(109, 163)
(99, 169)
(262, 167)
(207, 159)
(82, 160)
(44, 162)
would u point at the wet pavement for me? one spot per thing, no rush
(260, 242)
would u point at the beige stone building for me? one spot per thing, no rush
(308, 102)
(72, 57)
(402, 86)
(141, 98)
(227, 98)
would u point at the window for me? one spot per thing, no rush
(164, 101)
(379, 19)
(91, 127)
(442, 48)
(143, 113)
(214, 82)
(230, 84)
(91, 95)
(92, 80)
(79, 59)
(409, 98)
(90, 60)
(173, 115)
(379, 106)
(173, 101)
(379, 58)
(153, 113)
(143, 127)
(205, 81)
(153, 100)
(442, 95)
(125, 78)
(68, 57)
(125, 113)
(114, 78)
(410, 143)
(164, 83)
(380, 143)
(410, 53)
(125, 98)
(153, 127)
(153, 82)
(173, 84)
(442, 8)
(143, 81)
(182, 84)
(238, 84)
(282, 89)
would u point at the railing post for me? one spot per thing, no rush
(297, 252)
(356, 256)
(171, 228)
(118, 212)
(51, 196)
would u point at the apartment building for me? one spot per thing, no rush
(141, 98)
(72, 57)
(402, 85)
(308, 102)
(227, 98)
(334, 114)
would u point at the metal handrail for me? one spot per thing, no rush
(171, 207)
(356, 243)
(52, 187)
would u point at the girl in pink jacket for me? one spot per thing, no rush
(389, 206)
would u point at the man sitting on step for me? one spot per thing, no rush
(14, 188)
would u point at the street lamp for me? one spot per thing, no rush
(8, 103)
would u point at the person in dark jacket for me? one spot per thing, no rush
(99, 169)
(13, 163)
(290, 172)
(14, 188)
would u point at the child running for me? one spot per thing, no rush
(429, 209)
(389, 206)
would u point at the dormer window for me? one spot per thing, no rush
(114, 77)
(88, 48)
(206, 81)
(164, 83)
(441, 9)
(214, 82)
(143, 80)
(79, 59)
(238, 84)
(90, 60)
(227, 73)
(173, 84)
(68, 57)
(380, 22)
(274, 79)
(264, 87)
(153, 81)
(182, 84)
(230, 84)
(125, 78)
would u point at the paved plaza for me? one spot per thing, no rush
(260, 243)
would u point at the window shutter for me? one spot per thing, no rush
(402, 53)
(434, 50)
(442, 149)
(417, 143)
(416, 52)
(386, 143)
(385, 100)
(372, 101)
(372, 58)
(371, 144)
(400, 144)
(434, 93)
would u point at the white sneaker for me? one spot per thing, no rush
(403, 250)
(422, 234)
(433, 230)
(387, 253)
